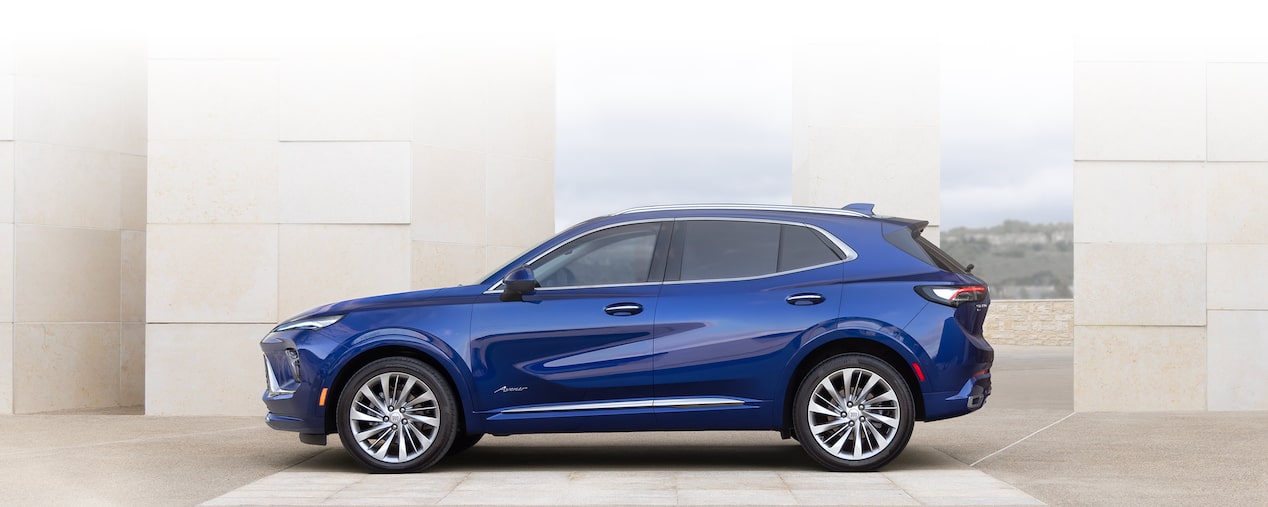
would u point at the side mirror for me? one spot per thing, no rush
(517, 283)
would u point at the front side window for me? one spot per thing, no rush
(615, 256)
(720, 249)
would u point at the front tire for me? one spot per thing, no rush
(397, 415)
(853, 412)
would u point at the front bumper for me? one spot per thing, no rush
(292, 385)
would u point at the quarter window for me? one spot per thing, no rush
(619, 255)
(720, 249)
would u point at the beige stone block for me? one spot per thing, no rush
(1236, 277)
(101, 115)
(449, 193)
(132, 194)
(132, 365)
(520, 105)
(1140, 111)
(6, 181)
(1237, 111)
(1236, 210)
(211, 273)
(1115, 201)
(361, 182)
(450, 99)
(6, 106)
(213, 182)
(1140, 284)
(83, 95)
(1235, 341)
(520, 205)
(66, 274)
(65, 366)
(323, 264)
(64, 186)
(6, 368)
(6, 272)
(495, 257)
(204, 369)
(896, 169)
(220, 99)
(436, 265)
(1139, 368)
(346, 100)
(865, 87)
(132, 276)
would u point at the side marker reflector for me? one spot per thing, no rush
(322, 401)
(914, 366)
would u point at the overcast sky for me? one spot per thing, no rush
(694, 121)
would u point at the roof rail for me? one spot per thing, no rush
(745, 207)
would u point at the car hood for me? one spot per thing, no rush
(427, 297)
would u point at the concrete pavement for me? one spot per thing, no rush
(1018, 455)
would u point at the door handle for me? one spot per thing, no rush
(805, 299)
(623, 309)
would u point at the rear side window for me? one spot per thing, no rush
(719, 249)
(801, 247)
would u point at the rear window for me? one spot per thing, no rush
(913, 244)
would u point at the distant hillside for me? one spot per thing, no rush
(1019, 260)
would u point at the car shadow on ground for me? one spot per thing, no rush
(498, 457)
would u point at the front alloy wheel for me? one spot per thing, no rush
(397, 415)
(853, 412)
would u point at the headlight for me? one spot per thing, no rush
(315, 323)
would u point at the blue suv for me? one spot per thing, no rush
(836, 327)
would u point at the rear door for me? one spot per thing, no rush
(738, 297)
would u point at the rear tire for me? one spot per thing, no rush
(853, 412)
(397, 415)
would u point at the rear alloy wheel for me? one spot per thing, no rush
(853, 412)
(397, 415)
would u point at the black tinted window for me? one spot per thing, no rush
(619, 255)
(719, 249)
(801, 247)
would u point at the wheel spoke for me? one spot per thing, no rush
(426, 396)
(888, 421)
(818, 408)
(422, 419)
(826, 385)
(401, 451)
(358, 415)
(423, 441)
(858, 441)
(886, 396)
(372, 398)
(871, 382)
(362, 436)
(827, 426)
(881, 440)
(404, 395)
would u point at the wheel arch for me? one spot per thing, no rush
(396, 344)
(848, 345)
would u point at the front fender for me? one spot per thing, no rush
(440, 352)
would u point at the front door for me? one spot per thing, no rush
(579, 347)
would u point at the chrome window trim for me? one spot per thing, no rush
(744, 207)
(849, 253)
(615, 405)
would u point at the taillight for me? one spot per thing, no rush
(952, 295)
